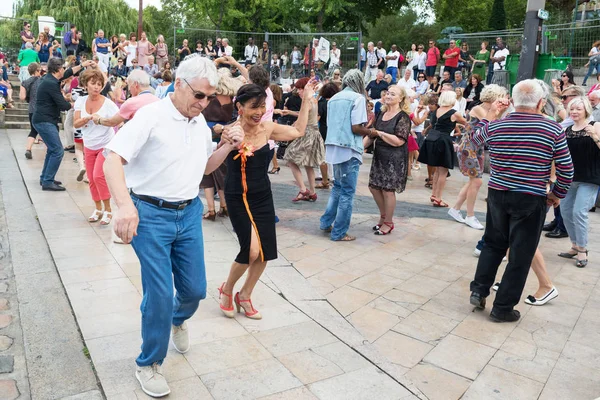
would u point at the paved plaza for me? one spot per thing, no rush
(384, 317)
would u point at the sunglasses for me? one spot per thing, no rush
(421, 77)
(199, 95)
(563, 98)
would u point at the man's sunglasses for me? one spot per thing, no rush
(199, 95)
(563, 98)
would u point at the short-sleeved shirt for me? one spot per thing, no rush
(132, 105)
(102, 50)
(501, 53)
(27, 35)
(184, 53)
(375, 88)
(432, 57)
(452, 62)
(27, 56)
(393, 63)
(96, 137)
(462, 84)
(407, 84)
(338, 154)
(166, 153)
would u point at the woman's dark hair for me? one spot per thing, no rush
(433, 100)
(260, 76)
(328, 90)
(252, 93)
(571, 77)
(132, 34)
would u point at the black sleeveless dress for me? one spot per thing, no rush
(439, 152)
(260, 201)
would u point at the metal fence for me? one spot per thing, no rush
(512, 37)
(278, 44)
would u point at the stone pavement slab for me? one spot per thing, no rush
(382, 317)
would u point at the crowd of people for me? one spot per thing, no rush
(147, 136)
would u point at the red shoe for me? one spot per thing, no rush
(439, 203)
(228, 311)
(302, 196)
(382, 233)
(312, 197)
(253, 313)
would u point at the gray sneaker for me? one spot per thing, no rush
(181, 338)
(152, 380)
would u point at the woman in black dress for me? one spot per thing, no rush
(389, 167)
(438, 148)
(248, 194)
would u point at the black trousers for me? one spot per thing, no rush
(514, 220)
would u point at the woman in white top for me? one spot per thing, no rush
(95, 138)
(419, 61)
(593, 66)
(131, 49)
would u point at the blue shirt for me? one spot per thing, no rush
(103, 50)
(363, 55)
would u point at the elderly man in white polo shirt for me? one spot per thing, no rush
(154, 168)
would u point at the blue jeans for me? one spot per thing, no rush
(339, 206)
(4, 73)
(55, 152)
(170, 247)
(362, 65)
(574, 209)
(393, 71)
(490, 73)
(592, 68)
(559, 220)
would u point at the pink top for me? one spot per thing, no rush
(270, 107)
(142, 56)
(595, 87)
(130, 107)
(432, 55)
(452, 62)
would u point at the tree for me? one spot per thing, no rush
(402, 29)
(497, 16)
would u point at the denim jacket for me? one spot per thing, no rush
(339, 121)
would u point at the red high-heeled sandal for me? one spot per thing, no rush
(228, 311)
(252, 314)
(376, 227)
(382, 233)
(312, 197)
(302, 196)
(439, 203)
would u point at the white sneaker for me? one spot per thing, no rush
(473, 222)
(457, 215)
(476, 252)
(181, 338)
(152, 380)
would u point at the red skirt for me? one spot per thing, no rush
(412, 144)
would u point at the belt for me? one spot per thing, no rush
(180, 205)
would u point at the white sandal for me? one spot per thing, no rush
(106, 218)
(95, 217)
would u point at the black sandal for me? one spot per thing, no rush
(568, 255)
(582, 263)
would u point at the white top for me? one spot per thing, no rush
(334, 57)
(161, 91)
(420, 60)
(501, 53)
(296, 57)
(96, 137)
(382, 53)
(250, 53)
(419, 128)
(228, 52)
(284, 60)
(338, 154)
(166, 153)
(407, 84)
(393, 63)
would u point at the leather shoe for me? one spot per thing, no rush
(505, 316)
(53, 187)
(477, 300)
(55, 182)
(557, 234)
(550, 226)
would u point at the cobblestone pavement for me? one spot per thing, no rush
(384, 317)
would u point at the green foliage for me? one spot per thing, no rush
(476, 15)
(497, 16)
(403, 30)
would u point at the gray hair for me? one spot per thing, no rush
(550, 107)
(194, 66)
(28, 45)
(140, 77)
(527, 94)
(54, 65)
(595, 93)
(458, 73)
(447, 99)
(225, 40)
(370, 44)
(355, 80)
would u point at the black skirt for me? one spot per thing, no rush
(438, 153)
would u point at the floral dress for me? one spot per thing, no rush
(470, 155)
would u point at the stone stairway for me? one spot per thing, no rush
(17, 117)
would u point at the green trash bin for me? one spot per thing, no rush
(512, 66)
(561, 63)
(544, 62)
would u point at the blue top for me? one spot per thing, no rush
(103, 50)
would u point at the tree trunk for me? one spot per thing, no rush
(140, 19)
(321, 16)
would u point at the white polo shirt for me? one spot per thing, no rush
(166, 153)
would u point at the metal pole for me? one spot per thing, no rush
(174, 43)
(358, 50)
(528, 59)
(573, 28)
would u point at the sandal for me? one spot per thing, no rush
(428, 185)
(376, 227)
(95, 217)
(382, 233)
(439, 203)
(568, 255)
(275, 171)
(582, 263)
(312, 197)
(210, 215)
(432, 199)
(346, 238)
(106, 218)
(323, 185)
(302, 196)
(223, 212)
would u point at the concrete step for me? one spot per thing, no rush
(22, 125)
(17, 118)
(15, 111)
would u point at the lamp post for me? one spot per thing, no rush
(140, 15)
(528, 59)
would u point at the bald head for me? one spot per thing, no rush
(527, 94)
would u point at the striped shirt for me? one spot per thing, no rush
(522, 147)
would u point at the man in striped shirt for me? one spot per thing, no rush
(522, 148)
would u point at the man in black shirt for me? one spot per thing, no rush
(375, 87)
(49, 103)
(81, 46)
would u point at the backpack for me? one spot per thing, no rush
(67, 38)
